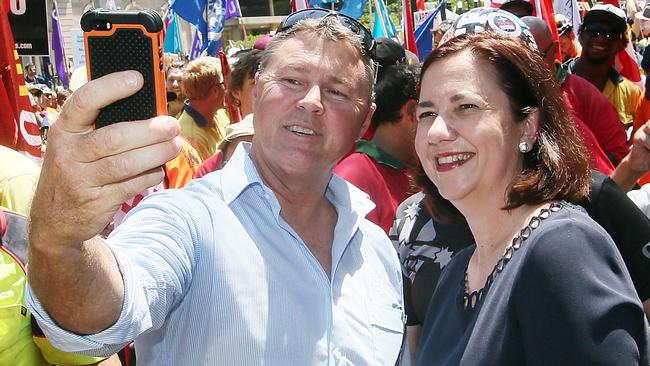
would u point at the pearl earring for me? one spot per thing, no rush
(524, 147)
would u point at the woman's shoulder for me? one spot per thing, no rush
(569, 237)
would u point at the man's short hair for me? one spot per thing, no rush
(246, 66)
(396, 85)
(327, 28)
(200, 76)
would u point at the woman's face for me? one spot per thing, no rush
(466, 138)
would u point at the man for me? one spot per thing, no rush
(268, 261)
(596, 118)
(175, 95)
(569, 48)
(31, 76)
(204, 119)
(602, 35)
(378, 167)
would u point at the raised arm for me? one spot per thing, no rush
(637, 162)
(86, 176)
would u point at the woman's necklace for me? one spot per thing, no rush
(472, 298)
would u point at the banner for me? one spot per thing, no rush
(28, 20)
(383, 26)
(18, 127)
(407, 26)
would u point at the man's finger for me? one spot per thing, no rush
(125, 136)
(81, 109)
(132, 163)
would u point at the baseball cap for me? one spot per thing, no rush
(388, 52)
(527, 6)
(261, 42)
(562, 24)
(645, 15)
(607, 13)
(239, 129)
(486, 19)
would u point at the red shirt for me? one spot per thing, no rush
(381, 176)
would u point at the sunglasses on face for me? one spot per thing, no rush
(367, 41)
(595, 32)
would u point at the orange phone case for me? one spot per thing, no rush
(122, 40)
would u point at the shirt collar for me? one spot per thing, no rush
(377, 153)
(241, 173)
(194, 114)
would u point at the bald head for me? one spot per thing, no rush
(544, 39)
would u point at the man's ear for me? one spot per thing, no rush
(408, 110)
(367, 121)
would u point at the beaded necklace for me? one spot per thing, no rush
(471, 299)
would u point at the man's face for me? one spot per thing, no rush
(174, 77)
(311, 104)
(600, 42)
(31, 71)
(567, 47)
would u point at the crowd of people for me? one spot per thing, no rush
(324, 198)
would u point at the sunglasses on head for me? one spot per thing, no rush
(595, 32)
(367, 41)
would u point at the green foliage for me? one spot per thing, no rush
(248, 42)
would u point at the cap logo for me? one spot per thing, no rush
(500, 23)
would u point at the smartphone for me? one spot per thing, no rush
(118, 40)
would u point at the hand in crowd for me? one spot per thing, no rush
(88, 173)
(639, 157)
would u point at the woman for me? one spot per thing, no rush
(543, 284)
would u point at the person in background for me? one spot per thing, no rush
(173, 84)
(379, 166)
(236, 133)
(596, 118)
(569, 46)
(497, 146)
(602, 35)
(309, 281)
(242, 79)
(31, 76)
(204, 119)
(62, 95)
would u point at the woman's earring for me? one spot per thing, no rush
(524, 147)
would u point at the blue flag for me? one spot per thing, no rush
(172, 36)
(383, 26)
(353, 8)
(194, 12)
(423, 34)
(216, 17)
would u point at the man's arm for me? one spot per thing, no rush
(86, 176)
(637, 162)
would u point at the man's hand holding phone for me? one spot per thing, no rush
(88, 173)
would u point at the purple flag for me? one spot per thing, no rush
(232, 8)
(58, 48)
(195, 51)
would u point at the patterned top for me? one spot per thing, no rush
(424, 248)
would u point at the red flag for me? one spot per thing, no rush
(409, 33)
(233, 111)
(625, 61)
(299, 5)
(419, 5)
(18, 127)
(544, 10)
